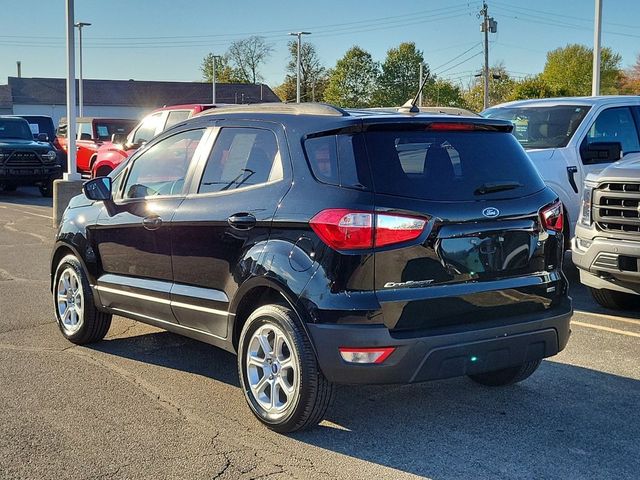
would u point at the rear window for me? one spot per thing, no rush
(106, 130)
(450, 165)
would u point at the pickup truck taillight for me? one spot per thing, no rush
(343, 229)
(552, 217)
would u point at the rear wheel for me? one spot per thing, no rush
(279, 374)
(506, 376)
(78, 318)
(613, 299)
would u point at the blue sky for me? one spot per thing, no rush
(166, 40)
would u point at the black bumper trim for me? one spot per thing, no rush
(422, 358)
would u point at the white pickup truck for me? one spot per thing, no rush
(568, 138)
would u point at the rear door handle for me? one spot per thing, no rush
(152, 223)
(571, 173)
(242, 221)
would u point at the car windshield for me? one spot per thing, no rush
(15, 128)
(541, 126)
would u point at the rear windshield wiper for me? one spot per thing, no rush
(491, 187)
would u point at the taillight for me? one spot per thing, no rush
(552, 217)
(343, 229)
(451, 126)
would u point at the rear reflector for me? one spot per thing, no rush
(344, 229)
(366, 355)
(552, 217)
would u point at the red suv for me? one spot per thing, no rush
(92, 134)
(108, 157)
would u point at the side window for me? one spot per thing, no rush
(176, 117)
(147, 130)
(615, 125)
(241, 157)
(62, 131)
(84, 131)
(322, 153)
(161, 170)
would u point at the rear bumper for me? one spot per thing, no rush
(424, 357)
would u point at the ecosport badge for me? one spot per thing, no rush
(491, 212)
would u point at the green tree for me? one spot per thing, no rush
(569, 69)
(399, 78)
(352, 83)
(224, 72)
(247, 55)
(534, 87)
(630, 80)
(313, 75)
(500, 87)
(442, 93)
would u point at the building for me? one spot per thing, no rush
(120, 98)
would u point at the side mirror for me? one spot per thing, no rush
(120, 138)
(601, 152)
(98, 189)
(42, 137)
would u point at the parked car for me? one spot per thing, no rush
(324, 246)
(40, 124)
(109, 156)
(25, 161)
(568, 138)
(606, 248)
(92, 133)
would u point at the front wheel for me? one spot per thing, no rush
(613, 299)
(78, 319)
(506, 376)
(46, 190)
(279, 374)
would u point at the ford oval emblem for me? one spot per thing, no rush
(491, 212)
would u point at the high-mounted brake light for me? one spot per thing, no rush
(552, 217)
(375, 355)
(344, 229)
(451, 126)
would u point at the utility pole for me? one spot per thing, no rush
(213, 78)
(597, 50)
(19, 64)
(72, 172)
(488, 25)
(80, 25)
(299, 35)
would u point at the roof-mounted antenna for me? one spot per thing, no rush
(411, 105)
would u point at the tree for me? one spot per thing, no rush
(569, 69)
(352, 83)
(313, 75)
(630, 80)
(224, 72)
(247, 55)
(534, 87)
(442, 93)
(500, 87)
(399, 79)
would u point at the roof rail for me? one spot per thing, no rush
(274, 107)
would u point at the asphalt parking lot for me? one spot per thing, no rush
(145, 403)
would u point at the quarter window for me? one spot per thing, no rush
(84, 131)
(615, 125)
(175, 117)
(242, 157)
(162, 169)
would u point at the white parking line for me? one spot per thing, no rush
(606, 329)
(609, 317)
(28, 213)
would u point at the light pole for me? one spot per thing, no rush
(80, 91)
(597, 32)
(299, 35)
(213, 77)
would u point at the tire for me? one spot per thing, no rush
(291, 365)
(613, 299)
(46, 190)
(84, 323)
(10, 188)
(102, 172)
(507, 376)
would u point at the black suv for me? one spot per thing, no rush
(25, 160)
(324, 246)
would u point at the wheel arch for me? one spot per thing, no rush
(61, 250)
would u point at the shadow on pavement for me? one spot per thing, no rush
(563, 422)
(25, 196)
